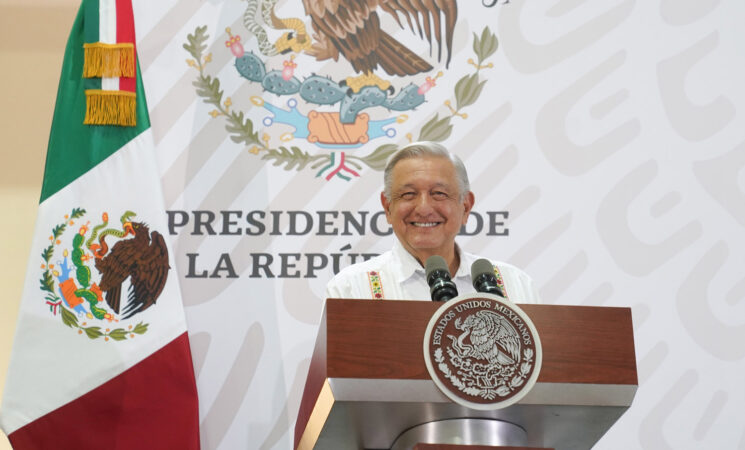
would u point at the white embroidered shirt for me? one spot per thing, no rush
(397, 275)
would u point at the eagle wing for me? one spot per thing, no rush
(115, 267)
(353, 28)
(431, 12)
(508, 338)
(148, 276)
(494, 334)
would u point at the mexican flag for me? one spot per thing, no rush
(101, 355)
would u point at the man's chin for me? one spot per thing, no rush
(425, 245)
(426, 236)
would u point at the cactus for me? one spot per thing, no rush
(321, 90)
(92, 299)
(325, 91)
(274, 83)
(367, 97)
(408, 98)
(250, 67)
(82, 272)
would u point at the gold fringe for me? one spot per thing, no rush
(110, 108)
(108, 60)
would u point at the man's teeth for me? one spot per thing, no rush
(424, 224)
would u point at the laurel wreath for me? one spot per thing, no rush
(241, 129)
(487, 393)
(68, 317)
(457, 382)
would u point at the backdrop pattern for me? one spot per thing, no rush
(603, 143)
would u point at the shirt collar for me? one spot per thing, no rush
(464, 269)
(407, 264)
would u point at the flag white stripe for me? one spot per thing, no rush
(107, 35)
(107, 21)
(80, 364)
(110, 84)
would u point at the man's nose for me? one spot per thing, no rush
(424, 203)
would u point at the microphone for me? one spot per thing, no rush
(441, 287)
(484, 280)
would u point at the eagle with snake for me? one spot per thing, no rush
(144, 260)
(352, 29)
(492, 338)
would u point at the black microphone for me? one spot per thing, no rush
(484, 280)
(441, 288)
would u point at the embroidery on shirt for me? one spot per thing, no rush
(376, 286)
(500, 282)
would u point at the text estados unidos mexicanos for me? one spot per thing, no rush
(440, 327)
(511, 315)
(296, 223)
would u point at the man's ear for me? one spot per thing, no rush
(468, 200)
(386, 206)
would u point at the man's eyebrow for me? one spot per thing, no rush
(404, 187)
(411, 186)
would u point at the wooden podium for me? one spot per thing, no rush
(368, 383)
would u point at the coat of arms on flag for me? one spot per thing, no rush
(86, 283)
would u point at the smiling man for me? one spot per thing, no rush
(426, 198)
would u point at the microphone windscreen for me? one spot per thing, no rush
(434, 263)
(480, 267)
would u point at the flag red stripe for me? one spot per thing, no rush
(151, 405)
(125, 32)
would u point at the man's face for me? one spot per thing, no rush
(424, 209)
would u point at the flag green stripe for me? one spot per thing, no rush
(91, 32)
(92, 83)
(75, 148)
(92, 25)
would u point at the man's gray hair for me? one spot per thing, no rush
(426, 148)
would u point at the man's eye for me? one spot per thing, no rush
(408, 196)
(437, 195)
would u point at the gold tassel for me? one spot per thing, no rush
(110, 108)
(108, 60)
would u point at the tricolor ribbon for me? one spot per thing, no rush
(110, 64)
(53, 306)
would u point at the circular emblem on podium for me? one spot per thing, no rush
(482, 351)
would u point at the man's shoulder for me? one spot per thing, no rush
(518, 285)
(354, 281)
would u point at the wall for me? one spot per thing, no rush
(32, 42)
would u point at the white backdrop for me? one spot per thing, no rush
(609, 131)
